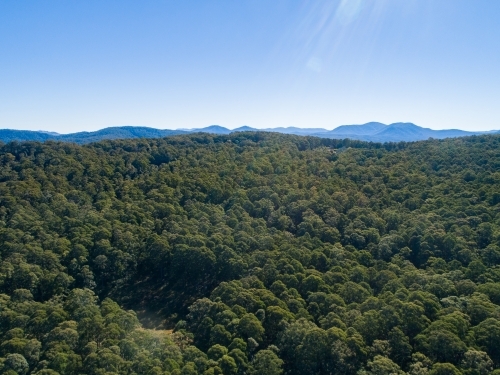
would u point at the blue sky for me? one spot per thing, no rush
(83, 65)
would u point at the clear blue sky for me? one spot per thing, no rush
(83, 65)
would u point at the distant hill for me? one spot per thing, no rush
(412, 132)
(296, 131)
(214, 129)
(8, 135)
(120, 132)
(245, 129)
(369, 128)
(372, 132)
(397, 132)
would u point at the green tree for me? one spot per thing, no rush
(266, 362)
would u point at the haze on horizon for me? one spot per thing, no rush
(83, 66)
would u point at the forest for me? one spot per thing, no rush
(250, 253)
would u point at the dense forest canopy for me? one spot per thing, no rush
(250, 253)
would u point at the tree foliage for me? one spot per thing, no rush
(265, 253)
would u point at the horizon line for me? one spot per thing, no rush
(231, 128)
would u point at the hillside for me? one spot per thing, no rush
(265, 253)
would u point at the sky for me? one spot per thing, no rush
(70, 66)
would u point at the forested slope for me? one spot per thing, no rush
(266, 253)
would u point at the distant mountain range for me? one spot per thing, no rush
(372, 132)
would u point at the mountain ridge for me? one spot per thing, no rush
(396, 132)
(371, 132)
